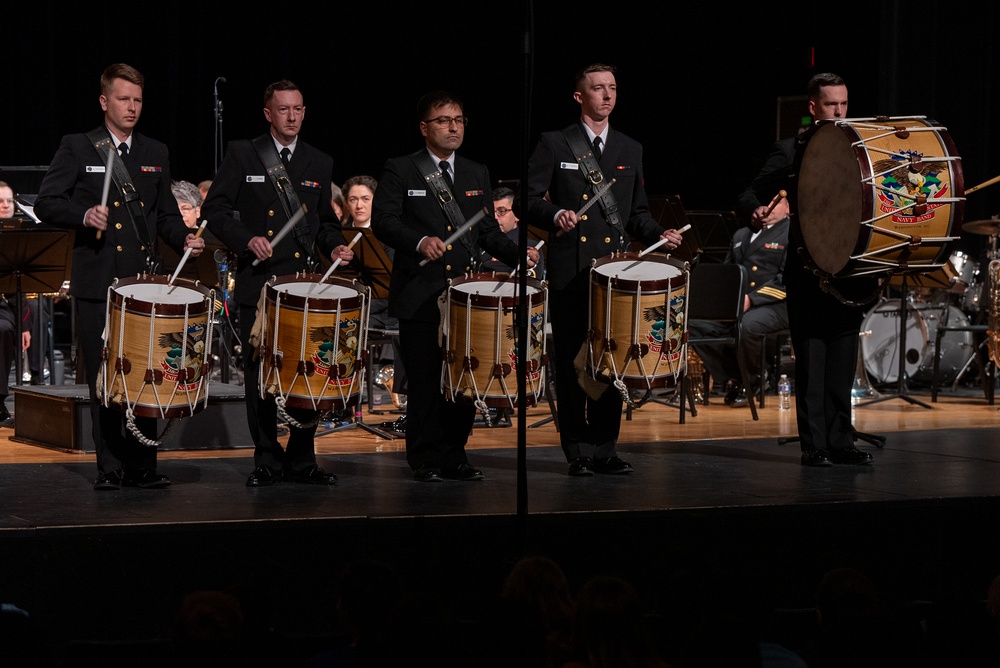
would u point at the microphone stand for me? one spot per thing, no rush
(218, 125)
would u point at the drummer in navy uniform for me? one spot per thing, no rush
(566, 169)
(260, 186)
(111, 242)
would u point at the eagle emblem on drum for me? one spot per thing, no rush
(183, 350)
(340, 352)
(664, 333)
(536, 336)
(906, 177)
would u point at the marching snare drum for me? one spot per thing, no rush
(480, 349)
(157, 347)
(881, 350)
(638, 320)
(311, 342)
(877, 195)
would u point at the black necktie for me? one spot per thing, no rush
(597, 148)
(446, 170)
(286, 155)
(123, 149)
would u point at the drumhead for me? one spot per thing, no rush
(317, 290)
(493, 288)
(159, 293)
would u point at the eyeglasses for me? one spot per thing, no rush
(502, 211)
(445, 121)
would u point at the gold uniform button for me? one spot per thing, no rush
(753, 284)
(118, 226)
(585, 197)
(448, 267)
(297, 255)
(754, 268)
(583, 239)
(607, 240)
(583, 217)
(270, 233)
(120, 249)
(449, 246)
(449, 228)
(117, 203)
(271, 213)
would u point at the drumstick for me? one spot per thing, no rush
(774, 202)
(537, 246)
(973, 189)
(107, 181)
(596, 196)
(286, 229)
(479, 215)
(664, 240)
(337, 262)
(187, 253)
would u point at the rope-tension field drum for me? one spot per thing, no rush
(481, 342)
(638, 321)
(313, 342)
(157, 347)
(878, 195)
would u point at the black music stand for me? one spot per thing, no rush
(901, 390)
(714, 232)
(669, 213)
(33, 258)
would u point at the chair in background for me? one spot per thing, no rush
(773, 361)
(716, 293)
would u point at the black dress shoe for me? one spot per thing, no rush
(427, 473)
(581, 466)
(850, 455)
(737, 398)
(816, 458)
(144, 478)
(109, 481)
(612, 465)
(263, 476)
(311, 475)
(463, 471)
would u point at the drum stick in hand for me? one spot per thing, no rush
(187, 253)
(107, 180)
(664, 240)
(286, 229)
(337, 261)
(479, 215)
(774, 202)
(538, 246)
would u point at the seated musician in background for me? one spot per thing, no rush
(762, 251)
(503, 203)
(373, 270)
(246, 207)
(9, 322)
(202, 269)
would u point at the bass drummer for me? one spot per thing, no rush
(824, 315)
(261, 184)
(560, 181)
(113, 242)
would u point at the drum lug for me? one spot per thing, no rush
(470, 363)
(637, 350)
(123, 365)
(501, 370)
(610, 344)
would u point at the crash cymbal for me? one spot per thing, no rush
(988, 227)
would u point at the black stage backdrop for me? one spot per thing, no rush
(698, 86)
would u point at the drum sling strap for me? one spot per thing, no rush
(127, 191)
(584, 153)
(283, 185)
(436, 181)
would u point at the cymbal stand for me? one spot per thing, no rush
(901, 390)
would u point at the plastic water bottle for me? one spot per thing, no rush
(784, 393)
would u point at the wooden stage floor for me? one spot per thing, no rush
(719, 491)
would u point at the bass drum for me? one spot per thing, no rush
(881, 350)
(868, 187)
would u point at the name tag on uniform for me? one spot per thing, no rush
(255, 179)
(416, 193)
(96, 169)
(569, 165)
